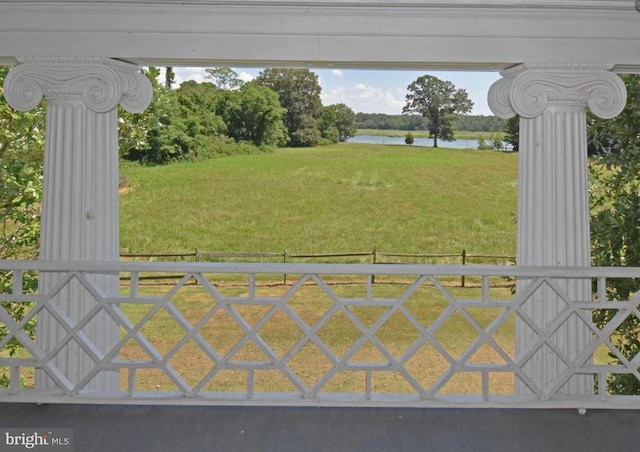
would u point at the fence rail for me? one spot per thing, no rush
(420, 343)
(375, 257)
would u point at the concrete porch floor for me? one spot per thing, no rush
(301, 429)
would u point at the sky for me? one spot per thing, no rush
(367, 91)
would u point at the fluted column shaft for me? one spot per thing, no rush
(553, 206)
(80, 218)
(553, 212)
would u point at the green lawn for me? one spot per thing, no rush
(347, 197)
(341, 198)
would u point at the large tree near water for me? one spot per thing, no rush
(438, 101)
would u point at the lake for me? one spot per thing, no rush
(457, 144)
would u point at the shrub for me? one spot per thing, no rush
(498, 142)
(408, 138)
(483, 145)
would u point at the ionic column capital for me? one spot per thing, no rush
(529, 89)
(100, 83)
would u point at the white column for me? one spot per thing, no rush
(553, 205)
(80, 219)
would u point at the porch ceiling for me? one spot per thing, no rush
(487, 35)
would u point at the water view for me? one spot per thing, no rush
(457, 144)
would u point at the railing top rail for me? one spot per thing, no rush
(311, 268)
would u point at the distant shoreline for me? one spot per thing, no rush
(460, 135)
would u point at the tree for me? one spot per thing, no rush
(439, 101)
(179, 124)
(224, 78)
(195, 123)
(152, 136)
(497, 142)
(479, 123)
(512, 132)
(483, 145)
(381, 121)
(253, 113)
(169, 77)
(342, 119)
(134, 130)
(21, 161)
(307, 133)
(187, 123)
(615, 219)
(299, 92)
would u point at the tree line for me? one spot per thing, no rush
(410, 123)
(225, 116)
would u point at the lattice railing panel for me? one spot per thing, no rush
(325, 337)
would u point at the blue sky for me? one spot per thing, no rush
(374, 91)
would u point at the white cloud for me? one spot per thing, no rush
(372, 99)
(245, 76)
(335, 96)
(366, 98)
(199, 75)
(337, 72)
(184, 74)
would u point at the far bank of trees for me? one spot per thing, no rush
(470, 123)
(280, 107)
(226, 116)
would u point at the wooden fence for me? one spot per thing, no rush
(370, 257)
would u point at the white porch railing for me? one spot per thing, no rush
(233, 333)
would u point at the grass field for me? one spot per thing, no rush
(347, 197)
(341, 198)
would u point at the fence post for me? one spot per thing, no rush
(375, 260)
(284, 261)
(197, 256)
(464, 262)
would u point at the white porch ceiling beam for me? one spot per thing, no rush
(412, 34)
